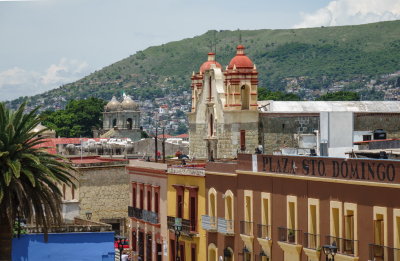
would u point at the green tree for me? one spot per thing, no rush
(182, 128)
(28, 176)
(265, 94)
(340, 96)
(78, 118)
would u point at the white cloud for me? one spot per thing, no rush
(16, 82)
(347, 12)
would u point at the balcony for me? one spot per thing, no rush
(311, 241)
(226, 226)
(264, 231)
(209, 223)
(288, 235)
(145, 215)
(246, 228)
(345, 246)
(383, 253)
(188, 226)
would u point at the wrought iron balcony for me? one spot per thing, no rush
(145, 215)
(379, 252)
(246, 228)
(188, 227)
(345, 246)
(311, 241)
(288, 235)
(209, 223)
(264, 231)
(226, 226)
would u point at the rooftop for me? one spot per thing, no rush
(321, 106)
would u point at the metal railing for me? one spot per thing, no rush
(142, 214)
(345, 246)
(187, 226)
(209, 223)
(246, 228)
(383, 253)
(288, 235)
(311, 241)
(264, 231)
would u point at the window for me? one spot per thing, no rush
(380, 226)
(291, 219)
(209, 89)
(243, 140)
(229, 211)
(182, 251)
(179, 200)
(265, 216)
(193, 208)
(212, 207)
(335, 220)
(72, 192)
(64, 191)
(134, 248)
(193, 252)
(313, 224)
(129, 123)
(156, 203)
(211, 125)
(396, 227)
(149, 199)
(134, 195)
(141, 198)
(172, 247)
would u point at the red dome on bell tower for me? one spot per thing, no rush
(240, 60)
(207, 65)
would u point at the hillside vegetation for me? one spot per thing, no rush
(315, 57)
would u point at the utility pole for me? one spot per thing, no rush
(163, 144)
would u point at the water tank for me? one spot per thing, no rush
(379, 134)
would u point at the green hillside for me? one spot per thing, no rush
(319, 56)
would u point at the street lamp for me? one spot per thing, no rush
(330, 250)
(177, 229)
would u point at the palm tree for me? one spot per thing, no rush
(28, 176)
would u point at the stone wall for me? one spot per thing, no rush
(389, 122)
(104, 191)
(279, 131)
(197, 144)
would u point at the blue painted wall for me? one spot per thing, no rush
(64, 247)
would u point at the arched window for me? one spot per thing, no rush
(212, 252)
(228, 254)
(129, 123)
(212, 199)
(245, 97)
(114, 123)
(229, 216)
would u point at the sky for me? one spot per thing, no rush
(47, 43)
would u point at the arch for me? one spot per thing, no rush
(129, 123)
(229, 254)
(245, 97)
(212, 202)
(114, 123)
(229, 207)
(212, 252)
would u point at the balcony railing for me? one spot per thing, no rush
(264, 231)
(345, 246)
(246, 228)
(288, 235)
(145, 215)
(383, 253)
(226, 226)
(209, 223)
(311, 241)
(187, 226)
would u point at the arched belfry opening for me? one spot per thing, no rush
(129, 123)
(245, 97)
(114, 123)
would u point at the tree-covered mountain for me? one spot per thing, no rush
(308, 62)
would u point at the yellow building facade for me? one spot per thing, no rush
(186, 201)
